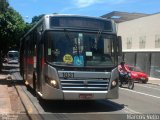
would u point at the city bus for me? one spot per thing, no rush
(71, 57)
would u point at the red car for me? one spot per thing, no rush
(137, 74)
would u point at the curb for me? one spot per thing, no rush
(30, 110)
(33, 114)
(5, 77)
(153, 84)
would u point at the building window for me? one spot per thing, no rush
(155, 65)
(142, 42)
(157, 41)
(130, 58)
(143, 61)
(129, 42)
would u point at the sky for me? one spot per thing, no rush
(30, 8)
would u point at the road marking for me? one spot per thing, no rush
(149, 87)
(130, 111)
(140, 93)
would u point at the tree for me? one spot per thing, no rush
(12, 27)
(3, 5)
(35, 19)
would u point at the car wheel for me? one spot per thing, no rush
(140, 81)
(131, 84)
(144, 81)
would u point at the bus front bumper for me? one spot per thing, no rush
(57, 94)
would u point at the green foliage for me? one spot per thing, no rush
(12, 27)
(35, 19)
(3, 5)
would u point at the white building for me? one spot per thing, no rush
(141, 43)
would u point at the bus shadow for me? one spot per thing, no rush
(11, 83)
(81, 106)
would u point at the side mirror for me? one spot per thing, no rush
(119, 45)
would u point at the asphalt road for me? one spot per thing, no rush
(143, 100)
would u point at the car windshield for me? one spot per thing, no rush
(79, 49)
(13, 54)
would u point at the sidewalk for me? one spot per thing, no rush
(154, 81)
(4, 97)
(10, 102)
(3, 77)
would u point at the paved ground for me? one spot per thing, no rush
(9, 99)
(143, 99)
(155, 81)
(7, 96)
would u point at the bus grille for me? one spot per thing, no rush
(85, 85)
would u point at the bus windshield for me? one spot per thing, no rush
(81, 49)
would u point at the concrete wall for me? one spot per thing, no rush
(140, 34)
(141, 43)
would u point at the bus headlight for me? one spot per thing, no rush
(51, 82)
(114, 83)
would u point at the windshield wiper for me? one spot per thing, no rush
(67, 34)
(68, 37)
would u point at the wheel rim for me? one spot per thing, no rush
(130, 84)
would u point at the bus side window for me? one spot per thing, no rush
(49, 45)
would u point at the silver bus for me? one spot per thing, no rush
(71, 57)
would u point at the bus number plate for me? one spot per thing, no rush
(68, 75)
(85, 96)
